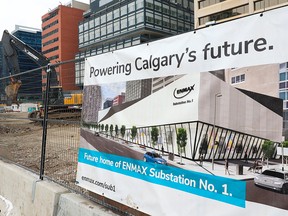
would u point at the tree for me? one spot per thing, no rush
(122, 131)
(154, 135)
(204, 145)
(111, 130)
(106, 128)
(116, 130)
(133, 132)
(239, 147)
(181, 140)
(102, 127)
(285, 144)
(268, 149)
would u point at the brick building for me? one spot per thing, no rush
(60, 40)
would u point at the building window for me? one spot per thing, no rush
(51, 50)
(282, 95)
(286, 104)
(283, 76)
(282, 85)
(225, 14)
(50, 25)
(238, 79)
(50, 41)
(263, 4)
(50, 33)
(51, 15)
(206, 3)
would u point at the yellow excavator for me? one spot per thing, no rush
(57, 107)
(11, 90)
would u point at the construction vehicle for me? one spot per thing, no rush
(57, 106)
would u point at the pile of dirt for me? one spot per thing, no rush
(4, 129)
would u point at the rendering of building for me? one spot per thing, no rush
(266, 79)
(31, 88)
(108, 103)
(222, 122)
(60, 40)
(263, 79)
(138, 89)
(119, 99)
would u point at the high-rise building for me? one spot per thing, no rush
(60, 40)
(31, 88)
(119, 99)
(114, 24)
(108, 103)
(209, 12)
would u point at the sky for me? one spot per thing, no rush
(26, 12)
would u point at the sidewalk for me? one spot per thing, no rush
(219, 165)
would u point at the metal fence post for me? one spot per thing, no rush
(44, 131)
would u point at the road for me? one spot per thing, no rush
(109, 146)
(253, 193)
(265, 196)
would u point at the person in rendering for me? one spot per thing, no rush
(227, 167)
(201, 160)
(246, 157)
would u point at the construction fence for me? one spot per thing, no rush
(46, 144)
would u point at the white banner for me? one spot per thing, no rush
(253, 40)
(119, 165)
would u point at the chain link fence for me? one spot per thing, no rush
(47, 145)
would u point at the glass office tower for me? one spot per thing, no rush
(111, 25)
(31, 89)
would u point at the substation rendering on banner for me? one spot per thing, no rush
(160, 188)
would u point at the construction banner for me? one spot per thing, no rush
(163, 133)
(253, 40)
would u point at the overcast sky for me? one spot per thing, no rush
(26, 12)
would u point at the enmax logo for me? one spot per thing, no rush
(183, 92)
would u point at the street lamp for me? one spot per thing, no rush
(217, 95)
(282, 156)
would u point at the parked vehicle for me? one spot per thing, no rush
(273, 179)
(154, 157)
(2, 110)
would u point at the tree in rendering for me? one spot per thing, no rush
(116, 130)
(154, 135)
(239, 147)
(122, 131)
(285, 144)
(181, 140)
(106, 128)
(204, 145)
(133, 132)
(102, 127)
(268, 150)
(111, 130)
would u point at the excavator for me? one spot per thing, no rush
(57, 107)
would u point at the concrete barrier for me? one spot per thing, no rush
(22, 193)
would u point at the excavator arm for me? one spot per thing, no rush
(11, 45)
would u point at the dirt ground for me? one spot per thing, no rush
(21, 142)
